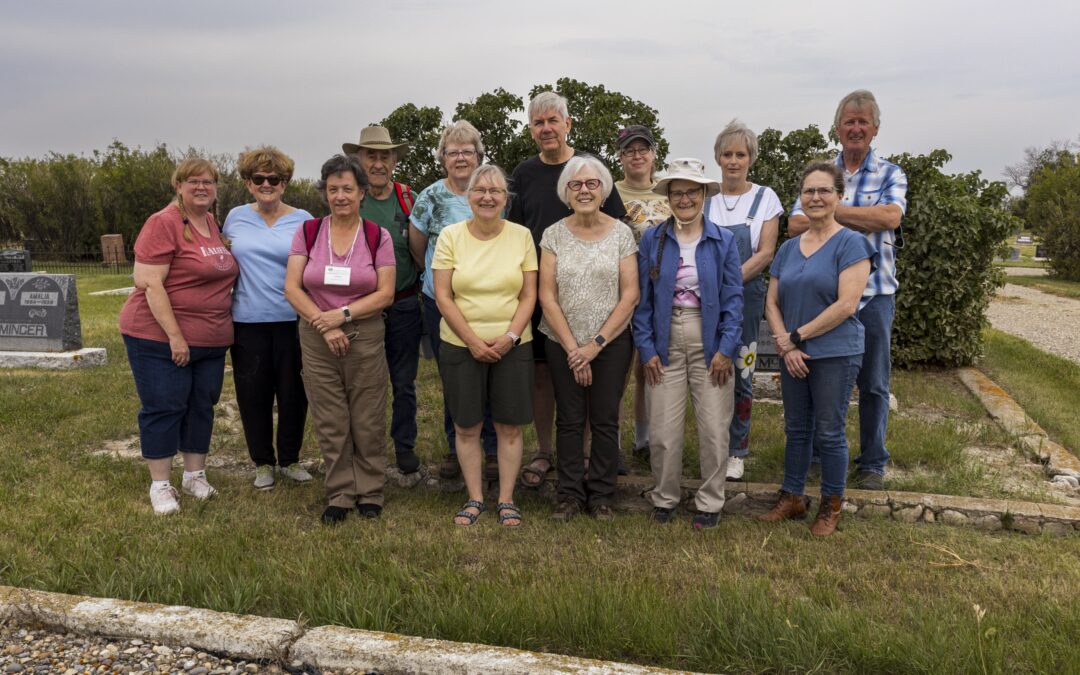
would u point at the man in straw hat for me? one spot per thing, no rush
(389, 204)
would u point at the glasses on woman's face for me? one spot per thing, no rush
(810, 193)
(494, 191)
(590, 183)
(196, 183)
(676, 196)
(463, 154)
(259, 179)
(634, 152)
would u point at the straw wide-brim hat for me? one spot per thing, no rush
(687, 169)
(376, 138)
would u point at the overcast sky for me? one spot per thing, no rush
(983, 80)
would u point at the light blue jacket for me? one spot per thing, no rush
(720, 279)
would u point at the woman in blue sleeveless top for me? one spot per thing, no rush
(751, 213)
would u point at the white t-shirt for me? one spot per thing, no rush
(768, 209)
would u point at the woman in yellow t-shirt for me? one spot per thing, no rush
(485, 285)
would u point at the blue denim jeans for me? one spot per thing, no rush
(177, 412)
(753, 307)
(404, 326)
(432, 317)
(873, 381)
(815, 413)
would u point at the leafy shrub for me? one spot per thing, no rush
(951, 233)
(1054, 202)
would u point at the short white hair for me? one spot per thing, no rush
(548, 100)
(576, 165)
(860, 98)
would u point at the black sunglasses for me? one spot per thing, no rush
(273, 180)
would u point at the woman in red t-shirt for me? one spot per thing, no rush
(177, 326)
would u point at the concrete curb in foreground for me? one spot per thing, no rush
(279, 640)
(1057, 460)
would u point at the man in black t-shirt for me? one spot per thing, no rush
(536, 205)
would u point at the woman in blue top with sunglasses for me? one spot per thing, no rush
(266, 349)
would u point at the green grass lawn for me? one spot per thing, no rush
(1065, 289)
(747, 597)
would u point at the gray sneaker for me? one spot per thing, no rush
(264, 477)
(868, 480)
(164, 500)
(295, 472)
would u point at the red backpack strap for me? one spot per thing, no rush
(373, 235)
(404, 198)
(311, 232)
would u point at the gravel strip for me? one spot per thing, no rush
(1049, 322)
(33, 649)
(1018, 272)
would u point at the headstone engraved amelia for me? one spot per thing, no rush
(39, 322)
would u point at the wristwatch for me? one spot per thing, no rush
(600, 340)
(516, 338)
(347, 313)
(795, 338)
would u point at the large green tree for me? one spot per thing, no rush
(781, 158)
(497, 116)
(1053, 201)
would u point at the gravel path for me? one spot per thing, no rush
(1025, 271)
(1049, 322)
(32, 650)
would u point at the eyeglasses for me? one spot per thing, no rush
(193, 182)
(634, 152)
(809, 193)
(260, 179)
(677, 195)
(494, 192)
(576, 185)
(463, 154)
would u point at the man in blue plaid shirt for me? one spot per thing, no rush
(874, 204)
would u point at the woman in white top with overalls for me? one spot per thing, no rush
(752, 213)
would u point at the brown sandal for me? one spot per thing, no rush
(539, 475)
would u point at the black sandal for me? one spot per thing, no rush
(512, 512)
(531, 470)
(465, 513)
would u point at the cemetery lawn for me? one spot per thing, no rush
(1046, 385)
(1061, 287)
(879, 596)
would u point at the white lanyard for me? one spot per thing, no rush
(352, 247)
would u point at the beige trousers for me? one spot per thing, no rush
(713, 406)
(347, 398)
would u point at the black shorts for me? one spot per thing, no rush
(470, 385)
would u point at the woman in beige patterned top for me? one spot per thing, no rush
(588, 289)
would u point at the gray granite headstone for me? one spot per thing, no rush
(1040, 251)
(768, 359)
(14, 260)
(1014, 254)
(39, 313)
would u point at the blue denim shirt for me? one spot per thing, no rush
(720, 280)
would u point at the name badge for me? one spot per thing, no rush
(336, 275)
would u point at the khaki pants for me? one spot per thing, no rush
(347, 398)
(713, 407)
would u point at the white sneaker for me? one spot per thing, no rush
(296, 472)
(735, 468)
(264, 477)
(163, 500)
(198, 487)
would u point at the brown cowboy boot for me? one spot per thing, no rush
(788, 507)
(828, 516)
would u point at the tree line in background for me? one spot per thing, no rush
(1050, 204)
(954, 226)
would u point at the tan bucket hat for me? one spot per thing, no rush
(376, 138)
(687, 169)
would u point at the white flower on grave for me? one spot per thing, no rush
(747, 359)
